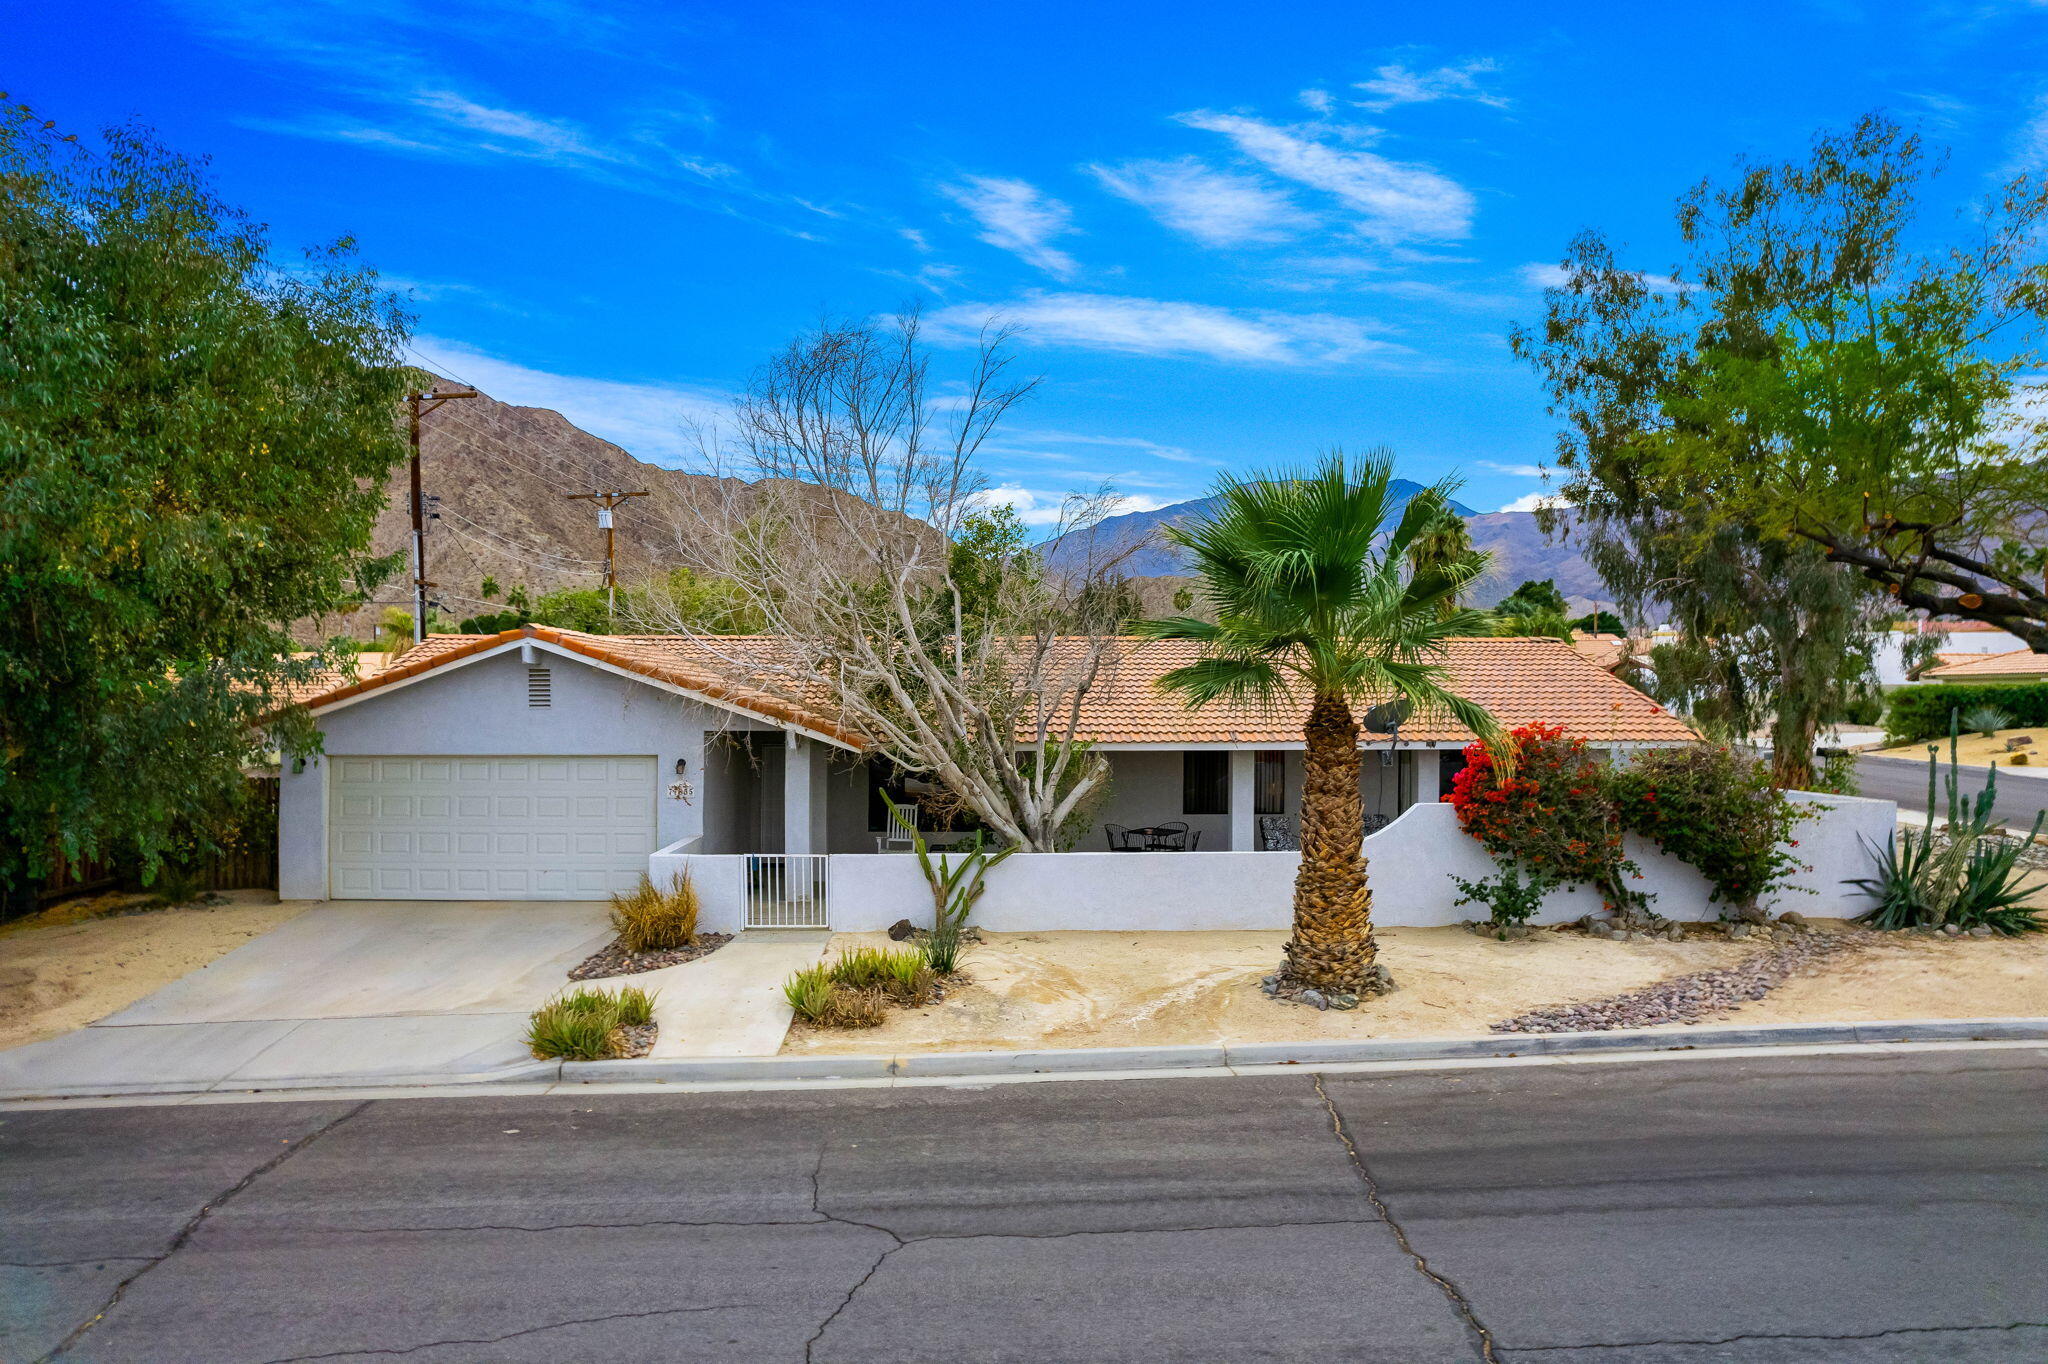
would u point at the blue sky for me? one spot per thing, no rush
(1234, 234)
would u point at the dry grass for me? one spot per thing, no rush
(649, 918)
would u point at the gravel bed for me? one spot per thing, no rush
(1696, 997)
(614, 960)
(638, 1040)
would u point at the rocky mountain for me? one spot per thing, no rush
(500, 478)
(1518, 546)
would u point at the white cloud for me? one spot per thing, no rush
(1395, 85)
(1398, 200)
(2030, 141)
(1529, 502)
(1543, 275)
(651, 421)
(1040, 508)
(1015, 216)
(1213, 207)
(1145, 326)
(1517, 470)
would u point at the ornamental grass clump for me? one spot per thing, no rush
(587, 1025)
(651, 918)
(855, 989)
(1720, 812)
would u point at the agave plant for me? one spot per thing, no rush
(1987, 720)
(1967, 875)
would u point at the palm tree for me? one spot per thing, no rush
(1309, 597)
(1444, 543)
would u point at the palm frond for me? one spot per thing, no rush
(1226, 679)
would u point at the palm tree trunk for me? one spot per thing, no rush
(1332, 946)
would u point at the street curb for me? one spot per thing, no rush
(968, 1065)
(1121, 1061)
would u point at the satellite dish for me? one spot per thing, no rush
(1386, 717)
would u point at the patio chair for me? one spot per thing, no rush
(896, 838)
(1171, 837)
(1277, 834)
(1119, 838)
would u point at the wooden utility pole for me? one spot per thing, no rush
(605, 502)
(419, 508)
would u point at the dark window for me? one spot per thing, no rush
(1269, 783)
(1205, 783)
(1449, 765)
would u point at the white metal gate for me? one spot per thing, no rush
(786, 890)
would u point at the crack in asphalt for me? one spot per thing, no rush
(192, 1225)
(1459, 1301)
(514, 1335)
(902, 1242)
(898, 1243)
(1779, 1335)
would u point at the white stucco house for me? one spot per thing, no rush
(550, 764)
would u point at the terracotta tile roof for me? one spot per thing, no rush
(1518, 680)
(1990, 667)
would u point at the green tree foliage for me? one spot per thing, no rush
(1668, 461)
(1444, 546)
(1534, 597)
(195, 444)
(1600, 623)
(1832, 373)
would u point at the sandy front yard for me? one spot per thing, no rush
(1163, 989)
(1974, 750)
(82, 960)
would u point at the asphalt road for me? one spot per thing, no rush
(1904, 780)
(1876, 1207)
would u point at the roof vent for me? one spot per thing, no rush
(540, 689)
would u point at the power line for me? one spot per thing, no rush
(605, 502)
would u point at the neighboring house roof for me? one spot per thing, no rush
(1519, 680)
(1607, 651)
(1990, 667)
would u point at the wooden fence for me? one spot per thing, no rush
(248, 862)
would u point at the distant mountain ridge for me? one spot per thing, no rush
(1519, 548)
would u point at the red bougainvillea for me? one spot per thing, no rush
(1550, 812)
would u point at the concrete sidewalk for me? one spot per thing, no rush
(729, 1003)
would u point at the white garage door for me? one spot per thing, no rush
(488, 828)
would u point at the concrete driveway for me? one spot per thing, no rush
(347, 992)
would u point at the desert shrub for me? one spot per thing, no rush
(1715, 809)
(809, 992)
(650, 918)
(1836, 773)
(1509, 898)
(1922, 712)
(1986, 720)
(1548, 811)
